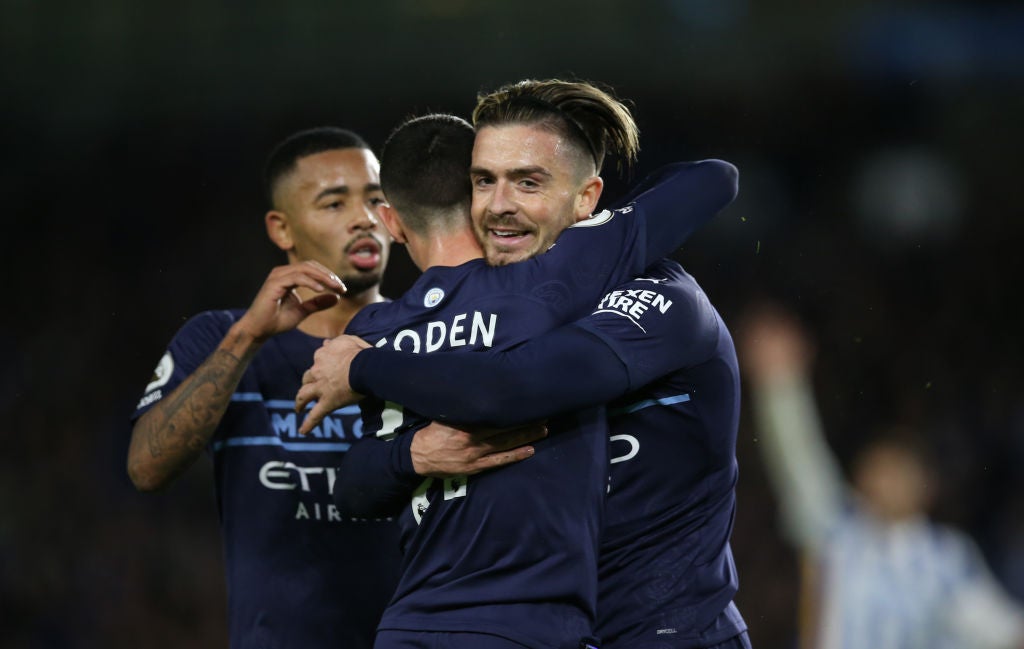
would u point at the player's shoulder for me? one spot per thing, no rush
(603, 217)
(677, 180)
(202, 332)
(670, 278)
(433, 290)
(713, 171)
(681, 303)
(214, 320)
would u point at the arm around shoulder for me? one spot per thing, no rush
(680, 198)
(376, 478)
(563, 370)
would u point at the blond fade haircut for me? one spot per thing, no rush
(591, 118)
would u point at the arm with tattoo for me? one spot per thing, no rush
(168, 438)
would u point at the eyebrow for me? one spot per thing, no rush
(516, 172)
(343, 190)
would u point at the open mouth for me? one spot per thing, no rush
(508, 236)
(364, 253)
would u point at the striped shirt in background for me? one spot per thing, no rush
(881, 584)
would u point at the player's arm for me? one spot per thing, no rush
(678, 199)
(171, 435)
(587, 363)
(776, 356)
(377, 477)
(563, 370)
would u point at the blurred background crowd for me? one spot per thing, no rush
(879, 145)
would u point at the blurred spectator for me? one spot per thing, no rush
(877, 572)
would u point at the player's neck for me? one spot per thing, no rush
(447, 249)
(332, 322)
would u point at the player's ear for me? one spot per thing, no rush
(587, 197)
(278, 229)
(389, 217)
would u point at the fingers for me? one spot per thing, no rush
(441, 451)
(520, 436)
(495, 460)
(314, 417)
(334, 279)
(499, 459)
(358, 342)
(503, 438)
(304, 396)
(308, 274)
(506, 447)
(321, 302)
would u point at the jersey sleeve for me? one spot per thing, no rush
(189, 348)
(594, 255)
(639, 332)
(376, 478)
(533, 381)
(656, 324)
(678, 199)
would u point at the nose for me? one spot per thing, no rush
(501, 200)
(365, 219)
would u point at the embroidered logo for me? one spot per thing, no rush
(433, 297)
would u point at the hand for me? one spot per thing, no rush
(327, 381)
(774, 346)
(278, 306)
(440, 451)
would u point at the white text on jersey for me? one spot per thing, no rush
(438, 334)
(633, 303)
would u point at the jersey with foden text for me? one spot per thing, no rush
(667, 576)
(298, 573)
(511, 552)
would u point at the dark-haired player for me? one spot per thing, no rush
(298, 573)
(508, 559)
(658, 353)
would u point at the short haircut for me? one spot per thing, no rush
(283, 157)
(424, 171)
(589, 117)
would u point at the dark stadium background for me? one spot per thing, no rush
(880, 150)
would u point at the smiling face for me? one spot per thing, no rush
(529, 184)
(325, 210)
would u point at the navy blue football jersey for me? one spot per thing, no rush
(655, 347)
(666, 568)
(529, 571)
(512, 552)
(299, 574)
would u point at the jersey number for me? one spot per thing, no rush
(454, 487)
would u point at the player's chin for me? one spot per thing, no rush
(358, 281)
(501, 253)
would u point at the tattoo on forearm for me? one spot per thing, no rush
(181, 426)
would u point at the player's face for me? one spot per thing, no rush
(331, 201)
(893, 481)
(529, 184)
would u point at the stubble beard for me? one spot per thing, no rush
(360, 282)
